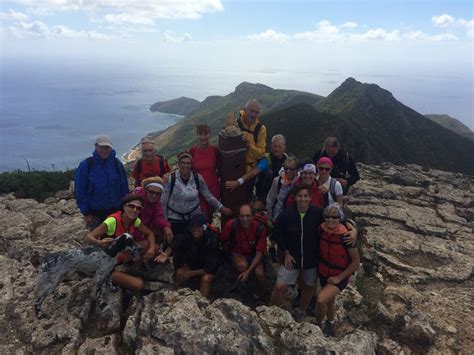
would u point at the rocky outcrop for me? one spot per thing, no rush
(412, 293)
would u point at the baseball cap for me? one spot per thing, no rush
(104, 141)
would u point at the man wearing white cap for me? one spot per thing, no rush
(100, 183)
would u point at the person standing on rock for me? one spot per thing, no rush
(337, 262)
(180, 200)
(328, 187)
(150, 164)
(205, 163)
(254, 134)
(197, 254)
(246, 241)
(344, 169)
(100, 183)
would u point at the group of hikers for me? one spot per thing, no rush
(293, 211)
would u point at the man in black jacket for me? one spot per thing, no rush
(197, 253)
(344, 169)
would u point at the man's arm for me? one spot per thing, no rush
(81, 184)
(353, 172)
(257, 150)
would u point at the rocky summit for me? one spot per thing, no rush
(413, 292)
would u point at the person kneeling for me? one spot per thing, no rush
(246, 240)
(337, 262)
(197, 254)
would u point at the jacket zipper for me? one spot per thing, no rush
(301, 237)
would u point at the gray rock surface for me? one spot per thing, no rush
(413, 292)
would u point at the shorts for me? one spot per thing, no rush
(323, 281)
(290, 277)
(249, 258)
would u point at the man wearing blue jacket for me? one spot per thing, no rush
(100, 183)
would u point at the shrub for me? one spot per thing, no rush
(35, 184)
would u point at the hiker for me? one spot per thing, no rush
(344, 169)
(337, 262)
(150, 164)
(276, 157)
(197, 254)
(307, 177)
(100, 183)
(328, 187)
(180, 200)
(245, 241)
(125, 220)
(152, 214)
(205, 163)
(296, 234)
(254, 134)
(280, 188)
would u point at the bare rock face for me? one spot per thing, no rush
(417, 226)
(413, 292)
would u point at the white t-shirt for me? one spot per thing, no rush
(337, 189)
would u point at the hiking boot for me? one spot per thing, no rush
(329, 329)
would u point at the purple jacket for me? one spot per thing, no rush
(152, 214)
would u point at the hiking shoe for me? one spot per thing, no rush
(311, 307)
(329, 329)
(298, 315)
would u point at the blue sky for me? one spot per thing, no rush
(415, 39)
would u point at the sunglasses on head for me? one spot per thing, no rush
(329, 216)
(134, 207)
(154, 193)
(322, 168)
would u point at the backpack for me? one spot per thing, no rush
(255, 132)
(161, 162)
(233, 232)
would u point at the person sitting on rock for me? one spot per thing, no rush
(197, 254)
(337, 262)
(126, 220)
(245, 240)
(152, 214)
(344, 169)
(150, 164)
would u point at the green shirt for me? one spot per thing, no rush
(111, 224)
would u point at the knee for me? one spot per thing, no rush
(240, 265)
(259, 273)
(280, 288)
(207, 278)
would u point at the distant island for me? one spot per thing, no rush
(370, 122)
(180, 106)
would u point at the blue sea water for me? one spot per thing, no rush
(50, 113)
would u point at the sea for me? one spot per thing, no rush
(51, 113)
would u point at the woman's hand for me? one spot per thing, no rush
(168, 234)
(350, 238)
(232, 185)
(226, 211)
(162, 258)
(244, 277)
(104, 243)
(289, 261)
(166, 177)
(149, 254)
(323, 189)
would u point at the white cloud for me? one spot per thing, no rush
(444, 37)
(378, 34)
(442, 21)
(39, 29)
(421, 36)
(469, 25)
(13, 15)
(324, 32)
(169, 36)
(125, 18)
(269, 34)
(349, 25)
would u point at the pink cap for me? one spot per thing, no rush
(323, 160)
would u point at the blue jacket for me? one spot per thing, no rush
(103, 186)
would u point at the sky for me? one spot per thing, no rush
(416, 41)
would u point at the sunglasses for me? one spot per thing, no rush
(154, 193)
(331, 217)
(134, 207)
(148, 150)
(322, 168)
(290, 169)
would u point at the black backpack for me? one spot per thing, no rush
(255, 132)
(162, 165)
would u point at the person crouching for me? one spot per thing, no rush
(337, 262)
